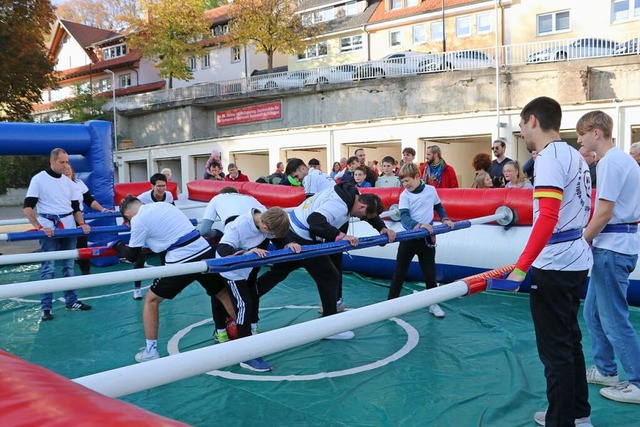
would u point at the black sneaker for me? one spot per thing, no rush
(78, 306)
(46, 315)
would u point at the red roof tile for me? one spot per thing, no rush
(381, 14)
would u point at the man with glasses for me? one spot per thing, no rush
(499, 148)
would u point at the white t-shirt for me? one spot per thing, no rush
(561, 172)
(388, 181)
(224, 206)
(160, 225)
(54, 198)
(147, 199)
(619, 182)
(421, 204)
(316, 181)
(327, 203)
(79, 188)
(242, 234)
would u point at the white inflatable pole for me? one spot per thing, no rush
(134, 378)
(38, 257)
(20, 221)
(93, 280)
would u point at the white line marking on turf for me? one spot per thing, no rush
(412, 340)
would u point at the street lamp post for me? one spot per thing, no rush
(115, 116)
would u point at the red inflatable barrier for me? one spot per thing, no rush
(123, 188)
(285, 196)
(34, 396)
(460, 203)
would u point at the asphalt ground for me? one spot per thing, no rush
(27, 246)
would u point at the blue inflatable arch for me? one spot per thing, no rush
(90, 154)
(88, 145)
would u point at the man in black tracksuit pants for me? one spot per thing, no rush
(320, 219)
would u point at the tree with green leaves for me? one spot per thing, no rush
(84, 106)
(25, 68)
(168, 35)
(271, 25)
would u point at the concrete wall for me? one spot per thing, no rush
(439, 93)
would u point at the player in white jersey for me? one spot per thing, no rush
(613, 231)
(163, 227)
(325, 218)
(221, 210)
(51, 193)
(158, 192)
(313, 180)
(560, 258)
(417, 203)
(82, 193)
(250, 232)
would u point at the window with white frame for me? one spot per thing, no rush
(193, 64)
(206, 61)
(395, 4)
(314, 51)
(483, 23)
(623, 10)
(219, 30)
(104, 84)
(235, 54)
(436, 31)
(347, 44)
(125, 80)
(351, 8)
(411, 3)
(394, 38)
(114, 51)
(554, 22)
(419, 34)
(323, 15)
(463, 26)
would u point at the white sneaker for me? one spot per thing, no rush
(346, 335)
(143, 356)
(436, 311)
(623, 392)
(595, 377)
(137, 293)
(539, 418)
(340, 306)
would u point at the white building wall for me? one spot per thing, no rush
(71, 55)
(258, 153)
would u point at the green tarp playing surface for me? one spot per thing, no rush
(476, 367)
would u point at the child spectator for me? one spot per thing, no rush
(388, 177)
(214, 157)
(352, 164)
(360, 176)
(482, 180)
(417, 204)
(514, 177)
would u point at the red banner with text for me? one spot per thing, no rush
(253, 113)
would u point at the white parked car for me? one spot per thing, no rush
(292, 79)
(581, 48)
(395, 64)
(460, 60)
(337, 74)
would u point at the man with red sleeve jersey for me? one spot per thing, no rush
(560, 259)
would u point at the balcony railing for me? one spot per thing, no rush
(411, 64)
